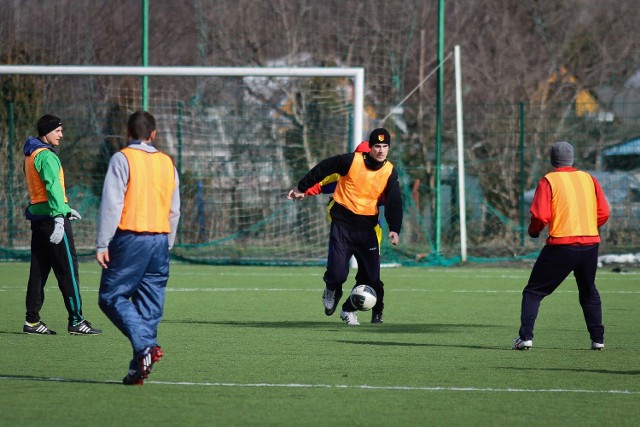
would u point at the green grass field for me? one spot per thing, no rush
(252, 346)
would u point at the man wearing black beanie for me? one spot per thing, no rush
(52, 245)
(365, 180)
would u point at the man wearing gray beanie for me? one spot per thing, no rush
(572, 244)
(561, 154)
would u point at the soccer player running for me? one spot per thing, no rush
(328, 186)
(575, 207)
(139, 215)
(365, 179)
(52, 244)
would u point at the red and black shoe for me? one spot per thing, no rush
(144, 362)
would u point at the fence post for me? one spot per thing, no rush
(179, 166)
(522, 177)
(10, 172)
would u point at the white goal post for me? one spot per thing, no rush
(79, 70)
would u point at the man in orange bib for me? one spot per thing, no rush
(52, 244)
(365, 180)
(574, 206)
(139, 215)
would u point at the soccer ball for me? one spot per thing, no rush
(363, 297)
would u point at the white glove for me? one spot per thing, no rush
(74, 215)
(58, 230)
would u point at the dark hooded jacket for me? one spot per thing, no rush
(48, 166)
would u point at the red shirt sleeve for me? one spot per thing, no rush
(540, 208)
(314, 190)
(603, 205)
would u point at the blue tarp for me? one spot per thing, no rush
(627, 148)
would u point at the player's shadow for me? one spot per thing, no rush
(57, 380)
(426, 344)
(12, 332)
(255, 324)
(397, 328)
(586, 370)
(430, 328)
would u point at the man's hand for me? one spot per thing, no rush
(58, 230)
(74, 215)
(394, 238)
(295, 194)
(102, 255)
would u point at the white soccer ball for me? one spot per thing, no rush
(363, 297)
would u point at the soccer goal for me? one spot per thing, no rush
(240, 137)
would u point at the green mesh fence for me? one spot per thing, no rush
(239, 157)
(241, 143)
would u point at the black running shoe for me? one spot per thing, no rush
(37, 329)
(83, 328)
(376, 317)
(330, 300)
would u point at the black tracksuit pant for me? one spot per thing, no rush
(554, 265)
(345, 242)
(62, 259)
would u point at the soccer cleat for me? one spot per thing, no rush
(37, 329)
(376, 317)
(144, 365)
(520, 344)
(133, 378)
(143, 362)
(330, 300)
(597, 346)
(350, 317)
(156, 354)
(83, 328)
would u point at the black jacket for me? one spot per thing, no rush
(391, 197)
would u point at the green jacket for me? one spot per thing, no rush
(48, 166)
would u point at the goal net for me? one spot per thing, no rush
(240, 138)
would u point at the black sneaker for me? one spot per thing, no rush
(37, 329)
(330, 300)
(376, 317)
(83, 328)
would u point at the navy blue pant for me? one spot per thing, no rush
(132, 288)
(553, 266)
(62, 259)
(345, 242)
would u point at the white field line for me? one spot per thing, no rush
(411, 290)
(470, 275)
(336, 386)
(402, 388)
(454, 291)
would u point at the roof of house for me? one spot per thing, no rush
(626, 148)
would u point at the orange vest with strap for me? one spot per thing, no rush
(147, 200)
(361, 188)
(35, 185)
(574, 207)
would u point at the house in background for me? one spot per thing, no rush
(624, 156)
(585, 101)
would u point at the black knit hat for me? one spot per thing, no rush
(379, 136)
(561, 154)
(47, 123)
